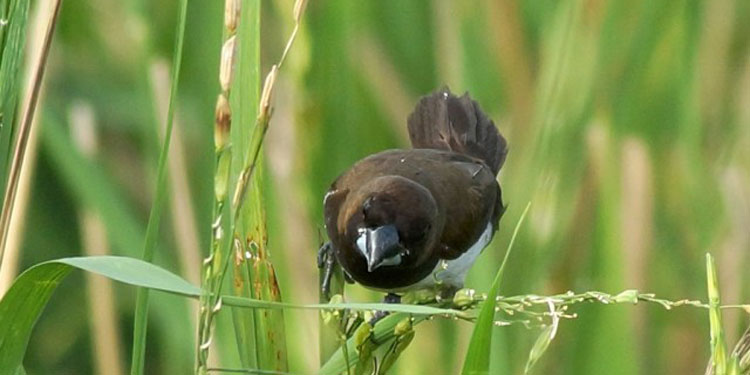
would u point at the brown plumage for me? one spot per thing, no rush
(442, 121)
(393, 216)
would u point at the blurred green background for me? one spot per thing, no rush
(629, 130)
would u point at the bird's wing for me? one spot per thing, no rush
(332, 202)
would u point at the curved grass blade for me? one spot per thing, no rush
(23, 303)
(478, 355)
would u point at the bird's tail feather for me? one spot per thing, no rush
(445, 122)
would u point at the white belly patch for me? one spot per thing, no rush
(452, 273)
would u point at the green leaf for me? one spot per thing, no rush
(12, 41)
(245, 94)
(718, 347)
(477, 359)
(396, 308)
(261, 337)
(23, 303)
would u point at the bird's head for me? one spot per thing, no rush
(393, 221)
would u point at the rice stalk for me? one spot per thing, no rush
(24, 129)
(260, 337)
(261, 334)
(11, 256)
(719, 361)
(214, 266)
(152, 229)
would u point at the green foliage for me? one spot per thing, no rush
(260, 334)
(23, 303)
(627, 123)
(249, 325)
(89, 183)
(140, 326)
(478, 354)
(14, 15)
(720, 362)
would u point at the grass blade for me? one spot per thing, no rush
(23, 303)
(477, 359)
(152, 230)
(12, 41)
(136, 272)
(245, 92)
(718, 346)
(259, 334)
(22, 138)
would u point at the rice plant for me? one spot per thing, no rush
(628, 131)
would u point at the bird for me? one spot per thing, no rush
(409, 219)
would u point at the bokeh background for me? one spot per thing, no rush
(629, 129)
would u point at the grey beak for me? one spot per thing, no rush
(382, 242)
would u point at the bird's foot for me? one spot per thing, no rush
(392, 298)
(445, 294)
(326, 263)
(389, 298)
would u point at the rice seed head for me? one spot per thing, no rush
(362, 334)
(221, 181)
(265, 97)
(223, 118)
(403, 327)
(226, 67)
(464, 298)
(231, 14)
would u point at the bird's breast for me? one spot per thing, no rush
(450, 273)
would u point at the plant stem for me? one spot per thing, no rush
(212, 274)
(216, 264)
(22, 139)
(152, 230)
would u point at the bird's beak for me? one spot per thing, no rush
(381, 243)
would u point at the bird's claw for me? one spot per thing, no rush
(389, 298)
(326, 263)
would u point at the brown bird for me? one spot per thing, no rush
(402, 220)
